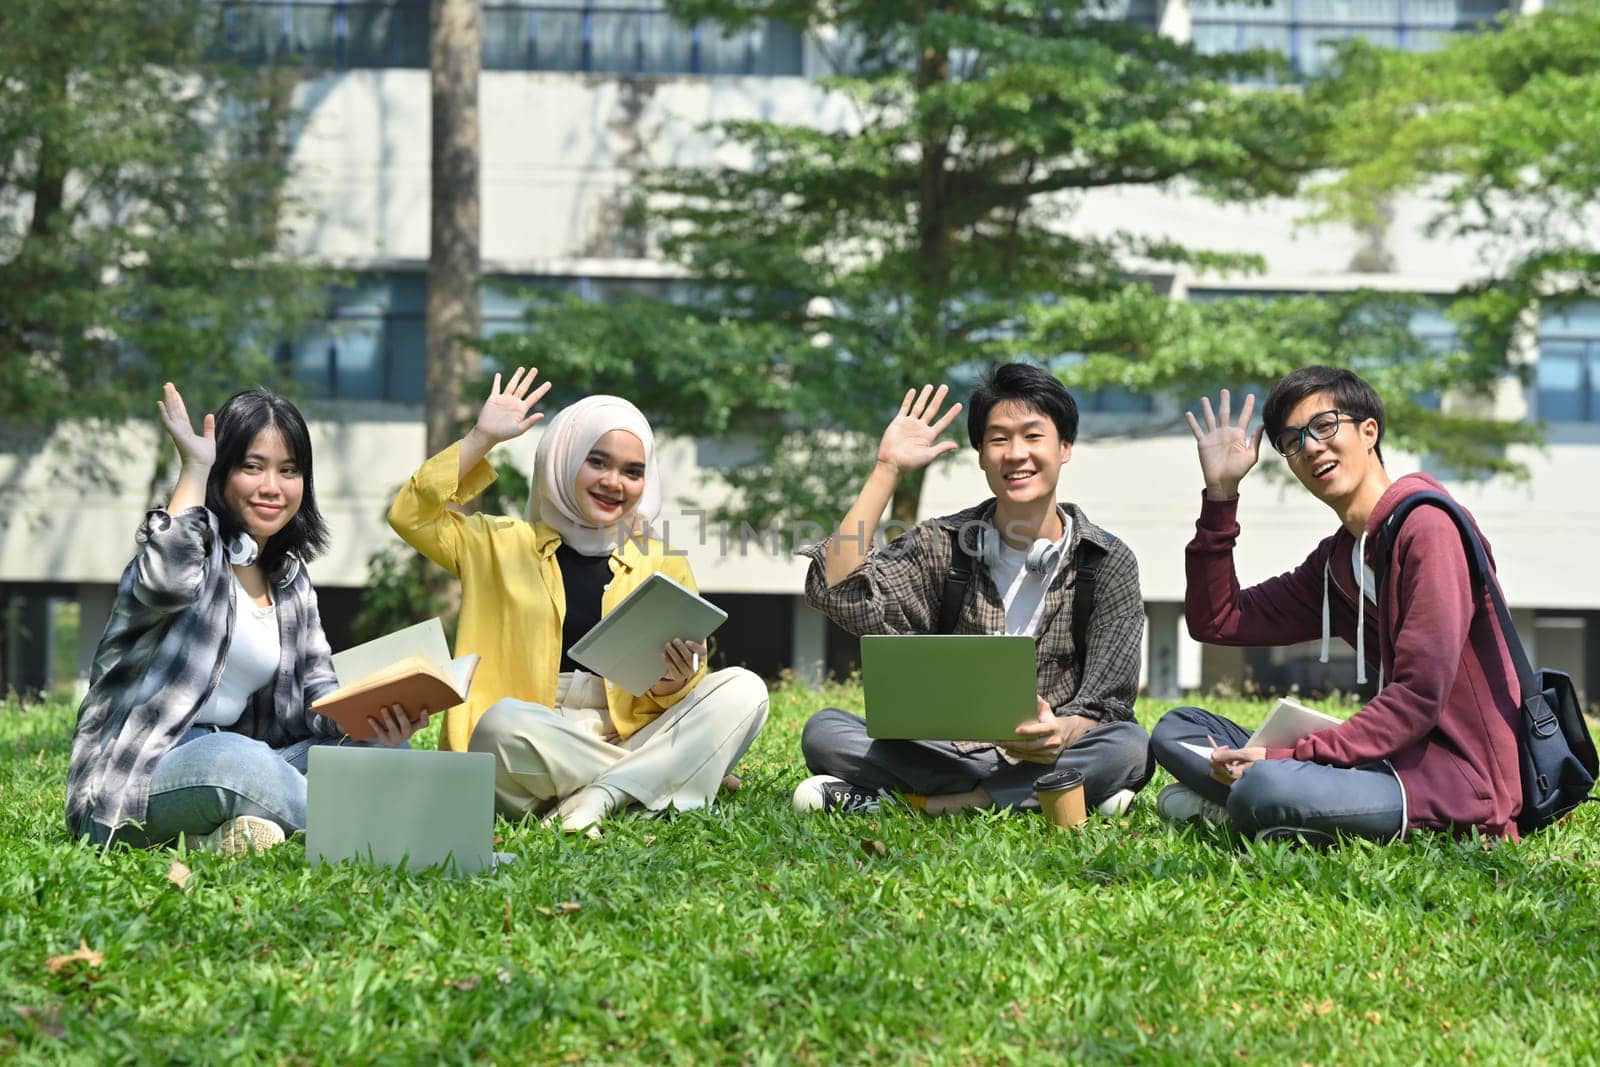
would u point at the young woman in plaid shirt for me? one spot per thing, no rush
(197, 720)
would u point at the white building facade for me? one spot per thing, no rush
(575, 97)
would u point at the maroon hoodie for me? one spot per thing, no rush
(1447, 706)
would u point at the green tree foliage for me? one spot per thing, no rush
(141, 208)
(1503, 129)
(941, 229)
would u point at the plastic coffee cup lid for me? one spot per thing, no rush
(1056, 780)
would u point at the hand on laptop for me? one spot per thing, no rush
(1045, 737)
(392, 727)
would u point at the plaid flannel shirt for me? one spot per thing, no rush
(160, 657)
(900, 586)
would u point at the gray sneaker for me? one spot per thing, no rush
(1179, 803)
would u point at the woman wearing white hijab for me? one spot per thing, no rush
(567, 743)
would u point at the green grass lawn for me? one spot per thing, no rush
(750, 933)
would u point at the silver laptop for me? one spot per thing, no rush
(400, 807)
(947, 687)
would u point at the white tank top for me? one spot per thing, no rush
(253, 654)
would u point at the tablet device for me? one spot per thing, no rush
(625, 646)
(949, 687)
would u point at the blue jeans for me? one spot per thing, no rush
(1282, 797)
(211, 777)
(1113, 756)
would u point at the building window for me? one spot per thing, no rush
(1306, 32)
(600, 38)
(1567, 376)
(372, 342)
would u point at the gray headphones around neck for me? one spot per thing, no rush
(1042, 558)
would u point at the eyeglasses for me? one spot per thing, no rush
(1291, 440)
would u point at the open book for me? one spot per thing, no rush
(1285, 724)
(410, 667)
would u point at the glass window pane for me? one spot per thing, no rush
(1578, 319)
(614, 42)
(1559, 379)
(406, 337)
(378, 35)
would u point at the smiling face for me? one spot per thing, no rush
(1335, 470)
(264, 491)
(1021, 455)
(611, 479)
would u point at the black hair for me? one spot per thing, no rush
(1350, 393)
(246, 414)
(1035, 388)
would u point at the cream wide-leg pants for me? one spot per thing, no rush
(543, 755)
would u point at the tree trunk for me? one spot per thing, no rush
(454, 311)
(934, 241)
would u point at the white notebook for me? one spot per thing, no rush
(625, 646)
(1285, 724)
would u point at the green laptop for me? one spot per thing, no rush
(948, 687)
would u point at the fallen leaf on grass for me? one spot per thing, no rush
(1325, 1008)
(84, 954)
(873, 847)
(467, 984)
(566, 907)
(178, 874)
(1374, 1018)
(506, 923)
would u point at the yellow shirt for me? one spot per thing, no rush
(512, 598)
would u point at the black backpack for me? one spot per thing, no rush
(1553, 743)
(959, 576)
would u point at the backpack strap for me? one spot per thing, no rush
(1083, 599)
(956, 580)
(1477, 564)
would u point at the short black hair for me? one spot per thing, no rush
(246, 414)
(1035, 388)
(1350, 392)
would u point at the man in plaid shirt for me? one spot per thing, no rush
(1022, 422)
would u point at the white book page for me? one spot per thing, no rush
(425, 639)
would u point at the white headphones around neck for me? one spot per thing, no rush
(1042, 557)
(242, 549)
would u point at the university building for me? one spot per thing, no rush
(574, 97)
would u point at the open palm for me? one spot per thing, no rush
(199, 449)
(911, 440)
(1227, 449)
(505, 414)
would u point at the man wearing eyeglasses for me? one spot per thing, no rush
(1436, 747)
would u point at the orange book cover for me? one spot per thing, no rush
(413, 682)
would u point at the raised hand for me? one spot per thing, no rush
(194, 449)
(1227, 450)
(505, 414)
(911, 440)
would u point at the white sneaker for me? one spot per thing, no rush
(247, 833)
(1117, 803)
(1179, 803)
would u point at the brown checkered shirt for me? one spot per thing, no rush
(899, 587)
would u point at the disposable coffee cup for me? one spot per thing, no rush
(1060, 796)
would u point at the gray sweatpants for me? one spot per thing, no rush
(1111, 757)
